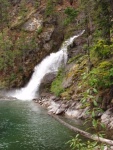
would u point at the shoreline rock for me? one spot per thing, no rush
(71, 109)
(57, 106)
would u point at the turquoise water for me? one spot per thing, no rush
(27, 126)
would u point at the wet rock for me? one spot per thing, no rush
(60, 111)
(36, 100)
(57, 106)
(46, 103)
(48, 78)
(78, 105)
(53, 107)
(65, 106)
(53, 98)
(83, 114)
(73, 104)
(74, 113)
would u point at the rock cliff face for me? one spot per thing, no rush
(36, 29)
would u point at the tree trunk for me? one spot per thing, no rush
(83, 133)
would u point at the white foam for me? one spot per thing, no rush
(50, 64)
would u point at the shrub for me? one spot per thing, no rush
(101, 77)
(102, 50)
(78, 144)
(71, 14)
(49, 8)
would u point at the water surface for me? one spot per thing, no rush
(27, 126)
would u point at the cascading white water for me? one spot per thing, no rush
(50, 64)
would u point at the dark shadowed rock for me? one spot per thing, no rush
(48, 78)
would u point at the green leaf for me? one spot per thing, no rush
(95, 103)
(95, 90)
(93, 113)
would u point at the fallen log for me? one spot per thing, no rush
(83, 133)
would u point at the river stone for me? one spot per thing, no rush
(64, 106)
(46, 104)
(73, 113)
(78, 105)
(60, 111)
(53, 97)
(53, 107)
(84, 115)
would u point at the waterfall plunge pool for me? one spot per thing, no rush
(27, 126)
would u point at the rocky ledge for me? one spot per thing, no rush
(57, 106)
(71, 109)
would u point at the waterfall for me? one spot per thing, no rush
(50, 64)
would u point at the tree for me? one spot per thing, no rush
(85, 5)
(104, 17)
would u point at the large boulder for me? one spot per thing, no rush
(48, 78)
(46, 82)
(107, 118)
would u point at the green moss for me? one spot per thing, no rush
(39, 30)
(56, 86)
(105, 64)
(71, 15)
(66, 95)
(74, 58)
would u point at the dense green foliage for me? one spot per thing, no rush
(78, 144)
(102, 50)
(101, 77)
(71, 15)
